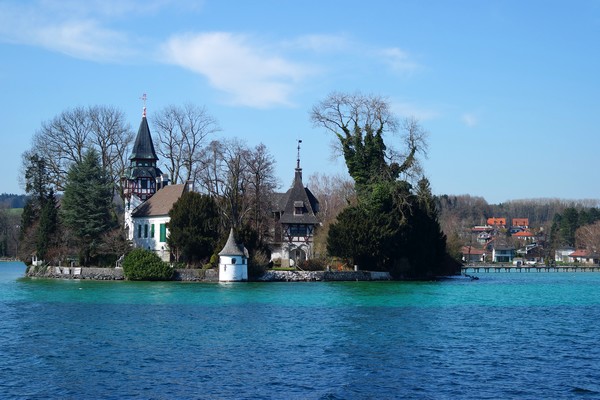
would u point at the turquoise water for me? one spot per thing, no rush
(506, 335)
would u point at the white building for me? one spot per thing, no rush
(233, 261)
(150, 219)
(149, 198)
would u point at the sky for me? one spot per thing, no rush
(508, 91)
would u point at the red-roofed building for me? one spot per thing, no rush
(584, 256)
(525, 236)
(496, 221)
(471, 254)
(521, 222)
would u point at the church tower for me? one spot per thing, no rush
(140, 181)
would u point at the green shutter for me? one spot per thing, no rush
(145, 230)
(152, 231)
(139, 231)
(163, 233)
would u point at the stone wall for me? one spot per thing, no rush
(196, 275)
(308, 276)
(99, 274)
(208, 275)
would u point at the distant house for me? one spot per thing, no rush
(562, 254)
(473, 255)
(583, 256)
(496, 221)
(520, 222)
(525, 236)
(503, 253)
(531, 254)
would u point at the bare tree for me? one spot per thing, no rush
(182, 132)
(588, 237)
(111, 136)
(63, 141)
(261, 184)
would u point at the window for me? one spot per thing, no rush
(163, 233)
(298, 230)
(144, 184)
(298, 207)
(139, 231)
(152, 231)
(145, 230)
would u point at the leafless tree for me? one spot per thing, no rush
(588, 237)
(63, 140)
(182, 132)
(111, 136)
(241, 179)
(261, 184)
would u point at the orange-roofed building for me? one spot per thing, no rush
(496, 221)
(521, 222)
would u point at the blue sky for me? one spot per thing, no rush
(508, 90)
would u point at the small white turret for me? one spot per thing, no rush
(233, 263)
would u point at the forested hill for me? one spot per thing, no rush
(472, 210)
(9, 200)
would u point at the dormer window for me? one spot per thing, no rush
(298, 207)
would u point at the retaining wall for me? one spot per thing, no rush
(208, 275)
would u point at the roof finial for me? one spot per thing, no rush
(298, 159)
(144, 98)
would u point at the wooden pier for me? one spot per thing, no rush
(529, 268)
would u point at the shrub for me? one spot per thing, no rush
(313, 264)
(145, 265)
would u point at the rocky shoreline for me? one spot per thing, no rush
(208, 275)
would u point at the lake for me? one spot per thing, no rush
(504, 336)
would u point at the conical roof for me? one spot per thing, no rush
(143, 148)
(298, 195)
(232, 248)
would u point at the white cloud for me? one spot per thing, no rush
(232, 63)
(49, 25)
(469, 119)
(398, 60)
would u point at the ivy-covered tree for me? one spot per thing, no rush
(87, 204)
(194, 228)
(392, 227)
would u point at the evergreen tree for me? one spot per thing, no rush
(87, 204)
(193, 227)
(39, 220)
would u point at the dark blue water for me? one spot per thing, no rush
(505, 336)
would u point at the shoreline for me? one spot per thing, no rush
(205, 275)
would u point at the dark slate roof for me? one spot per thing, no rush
(143, 148)
(232, 248)
(161, 202)
(298, 195)
(143, 172)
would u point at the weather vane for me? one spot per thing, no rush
(144, 98)
(298, 159)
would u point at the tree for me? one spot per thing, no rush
(360, 122)
(391, 223)
(182, 132)
(588, 237)
(39, 221)
(65, 139)
(87, 204)
(194, 228)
